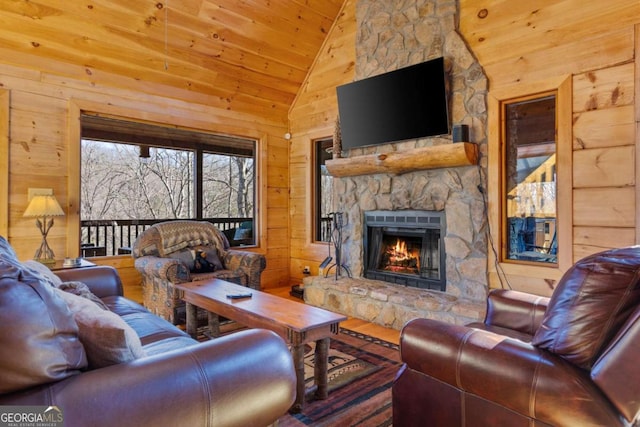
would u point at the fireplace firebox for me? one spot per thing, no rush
(405, 247)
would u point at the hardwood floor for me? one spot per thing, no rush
(353, 324)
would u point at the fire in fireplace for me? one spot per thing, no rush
(405, 247)
(401, 257)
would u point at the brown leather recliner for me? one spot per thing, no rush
(569, 360)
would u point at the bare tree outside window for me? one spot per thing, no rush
(116, 184)
(126, 187)
(227, 186)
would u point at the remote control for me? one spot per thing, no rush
(238, 296)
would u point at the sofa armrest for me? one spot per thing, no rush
(169, 269)
(102, 280)
(251, 263)
(515, 310)
(242, 379)
(508, 372)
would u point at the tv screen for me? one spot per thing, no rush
(403, 104)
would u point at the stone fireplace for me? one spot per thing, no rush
(392, 35)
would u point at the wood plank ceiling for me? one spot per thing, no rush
(242, 55)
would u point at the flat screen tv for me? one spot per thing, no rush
(403, 104)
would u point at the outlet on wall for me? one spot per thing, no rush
(306, 270)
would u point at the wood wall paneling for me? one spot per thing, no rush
(4, 162)
(312, 116)
(589, 240)
(502, 30)
(548, 61)
(604, 88)
(44, 112)
(637, 127)
(607, 127)
(217, 49)
(604, 207)
(604, 167)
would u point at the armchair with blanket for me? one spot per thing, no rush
(165, 254)
(568, 360)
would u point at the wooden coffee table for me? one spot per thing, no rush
(295, 322)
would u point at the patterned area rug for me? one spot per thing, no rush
(361, 372)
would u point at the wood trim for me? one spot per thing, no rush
(564, 162)
(73, 183)
(313, 137)
(260, 194)
(78, 106)
(563, 87)
(397, 162)
(637, 128)
(321, 51)
(4, 162)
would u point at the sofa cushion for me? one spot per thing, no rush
(44, 271)
(590, 304)
(39, 337)
(107, 339)
(188, 257)
(209, 253)
(82, 290)
(74, 287)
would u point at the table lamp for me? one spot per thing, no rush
(44, 208)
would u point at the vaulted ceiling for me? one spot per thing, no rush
(235, 54)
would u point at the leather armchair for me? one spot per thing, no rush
(163, 256)
(568, 360)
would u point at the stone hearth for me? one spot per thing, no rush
(387, 304)
(392, 35)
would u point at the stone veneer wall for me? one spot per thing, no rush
(392, 35)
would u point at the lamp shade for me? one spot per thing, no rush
(43, 206)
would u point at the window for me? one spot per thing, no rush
(323, 186)
(530, 179)
(134, 175)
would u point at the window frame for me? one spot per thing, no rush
(562, 87)
(316, 185)
(504, 217)
(78, 107)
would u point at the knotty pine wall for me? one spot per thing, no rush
(312, 117)
(42, 151)
(589, 50)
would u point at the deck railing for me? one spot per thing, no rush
(108, 237)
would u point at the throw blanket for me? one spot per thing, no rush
(176, 235)
(168, 237)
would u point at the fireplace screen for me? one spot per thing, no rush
(405, 247)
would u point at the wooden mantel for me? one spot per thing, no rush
(398, 162)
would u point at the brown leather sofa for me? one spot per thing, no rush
(243, 379)
(569, 360)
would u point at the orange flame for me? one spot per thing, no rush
(400, 251)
